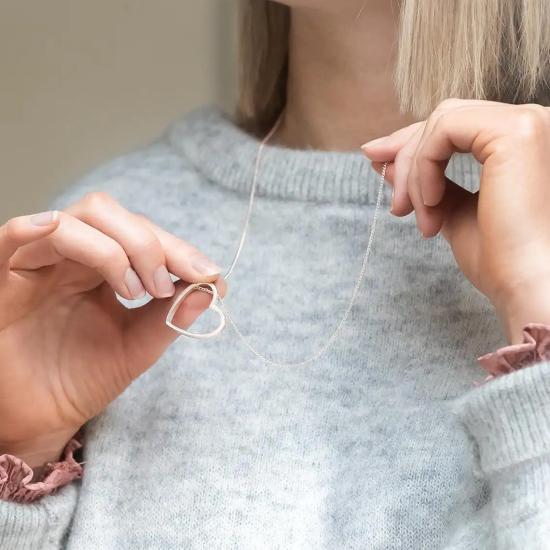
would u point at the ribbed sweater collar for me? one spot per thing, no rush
(226, 156)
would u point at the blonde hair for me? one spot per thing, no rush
(470, 49)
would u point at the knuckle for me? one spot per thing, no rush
(442, 117)
(531, 122)
(146, 245)
(13, 231)
(449, 103)
(111, 255)
(143, 221)
(97, 200)
(189, 250)
(404, 155)
(537, 108)
(436, 117)
(10, 233)
(141, 217)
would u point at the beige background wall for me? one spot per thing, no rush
(82, 81)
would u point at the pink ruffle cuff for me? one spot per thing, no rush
(16, 483)
(534, 349)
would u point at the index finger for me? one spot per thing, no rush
(177, 252)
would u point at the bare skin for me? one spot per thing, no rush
(340, 91)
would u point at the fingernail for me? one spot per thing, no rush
(45, 218)
(427, 203)
(205, 267)
(163, 283)
(423, 199)
(373, 143)
(133, 284)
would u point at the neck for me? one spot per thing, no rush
(340, 87)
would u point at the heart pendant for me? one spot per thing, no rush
(201, 287)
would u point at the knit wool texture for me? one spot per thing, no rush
(383, 443)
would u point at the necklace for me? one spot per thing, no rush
(217, 305)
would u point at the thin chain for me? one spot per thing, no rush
(356, 288)
(252, 196)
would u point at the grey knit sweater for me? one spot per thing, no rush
(384, 443)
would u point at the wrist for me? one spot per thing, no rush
(531, 304)
(38, 452)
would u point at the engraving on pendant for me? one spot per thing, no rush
(209, 288)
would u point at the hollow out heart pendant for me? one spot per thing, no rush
(209, 288)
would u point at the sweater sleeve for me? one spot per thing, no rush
(508, 420)
(42, 525)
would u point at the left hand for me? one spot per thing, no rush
(500, 236)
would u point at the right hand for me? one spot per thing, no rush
(68, 347)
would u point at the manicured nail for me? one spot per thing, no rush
(205, 267)
(45, 218)
(423, 199)
(133, 284)
(426, 202)
(373, 143)
(163, 283)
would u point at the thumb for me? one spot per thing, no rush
(148, 336)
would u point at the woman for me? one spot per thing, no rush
(384, 441)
